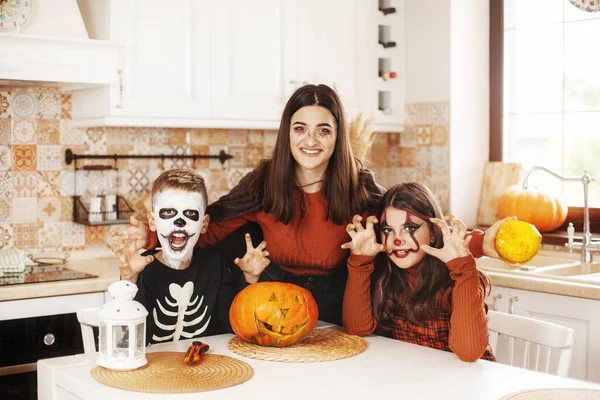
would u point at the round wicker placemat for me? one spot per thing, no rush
(320, 345)
(166, 373)
(554, 394)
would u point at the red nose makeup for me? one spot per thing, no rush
(397, 242)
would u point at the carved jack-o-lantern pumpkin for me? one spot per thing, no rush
(273, 314)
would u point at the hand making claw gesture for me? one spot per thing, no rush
(364, 241)
(126, 247)
(254, 261)
(456, 241)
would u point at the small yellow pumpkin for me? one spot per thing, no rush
(545, 211)
(517, 242)
(273, 314)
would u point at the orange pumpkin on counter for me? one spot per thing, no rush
(545, 211)
(273, 314)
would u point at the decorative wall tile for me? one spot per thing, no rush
(408, 138)
(200, 137)
(70, 135)
(5, 109)
(218, 137)
(255, 138)
(5, 210)
(24, 131)
(160, 137)
(393, 157)
(269, 138)
(24, 105)
(48, 183)
(95, 234)
(25, 184)
(177, 136)
(440, 157)
(424, 135)
(423, 158)
(379, 156)
(66, 105)
(50, 235)
(141, 143)
(49, 209)
(138, 181)
(200, 151)
(237, 137)
(5, 131)
(95, 141)
(393, 139)
(234, 175)
(24, 210)
(49, 105)
(239, 157)
(6, 188)
(407, 157)
(66, 208)
(72, 184)
(439, 135)
(253, 156)
(441, 113)
(24, 157)
(6, 236)
(49, 157)
(48, 131)
(5, 158)
(73, 234)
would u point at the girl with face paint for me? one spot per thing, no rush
(414, 278)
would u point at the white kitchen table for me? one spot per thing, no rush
(387, 368)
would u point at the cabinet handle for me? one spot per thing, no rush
(496, 297)
(120, 105)
(513, 300)
(49, 339)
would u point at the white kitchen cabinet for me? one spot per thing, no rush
(581, 315)
(165, 71)
(253, 58)
(234, 64)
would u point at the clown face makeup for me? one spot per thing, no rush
(402, 235)
(178, 217)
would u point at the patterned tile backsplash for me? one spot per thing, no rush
(36, 185)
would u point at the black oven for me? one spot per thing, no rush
(25, 341)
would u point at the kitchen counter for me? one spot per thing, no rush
(96, 260)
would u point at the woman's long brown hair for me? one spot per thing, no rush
(390, 284)
(275, 181)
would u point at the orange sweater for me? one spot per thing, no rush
(460, 328)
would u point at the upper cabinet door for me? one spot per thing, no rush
(166, 72)
(253, 58)
(331, 46)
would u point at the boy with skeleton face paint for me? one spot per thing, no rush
(187, 290)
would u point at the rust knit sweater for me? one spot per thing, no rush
(461, 326)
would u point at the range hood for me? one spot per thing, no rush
(52, 47)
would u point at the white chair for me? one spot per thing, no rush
(88, 318)
(530, 343)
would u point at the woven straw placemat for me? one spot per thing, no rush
(167, 373)
(554, 394)
(320, 345)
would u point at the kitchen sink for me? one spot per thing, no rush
(546, 265)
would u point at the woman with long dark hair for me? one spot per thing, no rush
(418, 282)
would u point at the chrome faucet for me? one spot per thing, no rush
(588, 246)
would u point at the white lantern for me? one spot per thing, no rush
(122, 329)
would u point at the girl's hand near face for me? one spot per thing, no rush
(364, 241)
(254, 261)
(456, 241)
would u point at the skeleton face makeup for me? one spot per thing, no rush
(178, 217)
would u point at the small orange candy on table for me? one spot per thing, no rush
(273, 314)
(517, 242)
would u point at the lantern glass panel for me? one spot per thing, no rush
(120, 341)
(104, 337)
(140, 340)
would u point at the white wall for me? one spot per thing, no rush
(427, 51)
(469, 105)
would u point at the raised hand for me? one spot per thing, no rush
(136, 231)
(364, 241)
(254, 261)
(489, 238)
(126, 247)
(456, 243)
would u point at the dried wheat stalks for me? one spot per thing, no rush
(361, 136)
